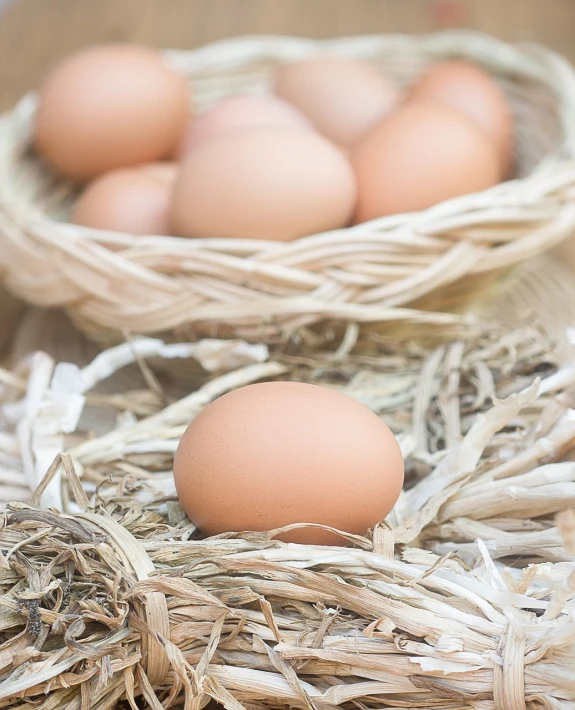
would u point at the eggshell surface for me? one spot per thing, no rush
(272, 183)
(165, 171)
(108, 107)
(134, 201)
(342, 97)
(237, 112)
(277, 453)
(476, 94)
(422, 154)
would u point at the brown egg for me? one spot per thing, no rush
(422, 154)
(165, 171)
(109, 107)
(475, 93)
(278, 453)
(342, 97)
(237, 112)
(133, 200)
(263, 183)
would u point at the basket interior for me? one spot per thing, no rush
(535, 104)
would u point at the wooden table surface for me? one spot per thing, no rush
(34, 33)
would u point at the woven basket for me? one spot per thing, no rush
(404, 267)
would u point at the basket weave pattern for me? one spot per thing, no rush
(387, 269)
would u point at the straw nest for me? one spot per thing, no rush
(115, 604)
(462, 599)
(397, 268)
(484, 422)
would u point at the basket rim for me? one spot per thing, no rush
(287, 47)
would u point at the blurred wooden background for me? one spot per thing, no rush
(34, 33)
